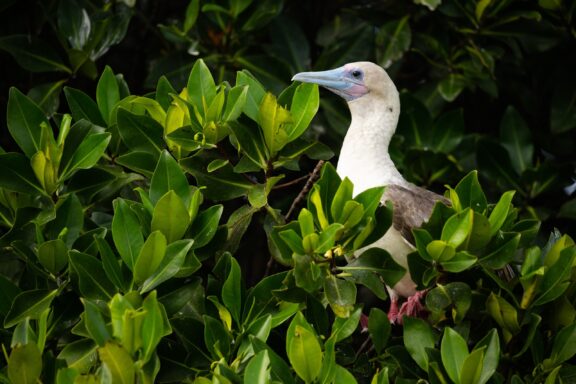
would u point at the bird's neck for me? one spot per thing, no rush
(364, 156)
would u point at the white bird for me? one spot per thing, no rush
(374, 104)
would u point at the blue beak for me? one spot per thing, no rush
(336, 80)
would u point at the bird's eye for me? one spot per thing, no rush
(357, 74)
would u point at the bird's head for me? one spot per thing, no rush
(352, 81)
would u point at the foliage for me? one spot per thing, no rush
(176, 235)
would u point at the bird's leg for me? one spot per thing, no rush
(412, 307)
(393, 311)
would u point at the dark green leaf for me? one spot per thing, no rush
(74, 23)
(201, 87)
(140, 132)
(171, 264)
(83, 107)
(393, 40)
(24, 118)
(92, 279)
(169, 176)
(33, 54)
(126, 232)
(204, 227)
(418, 337)
(454, 353)
(341, 295)
(53, 255)
(170, 216)
(29, 304)
(17, 175)
(517, 140)
(379, 328)
(107, 93)
(232, 290)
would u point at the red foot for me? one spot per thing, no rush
(412, 307)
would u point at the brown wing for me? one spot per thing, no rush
(412, 207)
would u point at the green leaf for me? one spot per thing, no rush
(33, 54)
(87, 154)
(29, 304)
(47, 96)
(24, 118)
(276, 122)
(393, 40)
(470, 193)
(304, 106)
(379, 328)
(258, 369)
(457, 228)
(494, 162)
(140, 132)
(216, 338)
(53, 255)
(170, 265)
(343, 194)
(505, 252)
(169, 176)
(303, 349)
(155, 325)
(107, 93)
(500, 212)
(440, 251)
(564, 346)
(472, 367)
(448, 131)
(343, 328)
(251, 143)
(454, 352)
(83, 107)
(141, 162)
(204, 227)
(74, 23)
(491, 355)
(504, 314)
(93, 282)
(170, 217)
(118, 363)
(557, 279)
(375, 261)
(341, 295)
(460, 262)
(110, 263)
(516, 138)
(201, 87)
(25, 364)
(418, 337)
(328, 238)
(255, 95)
(17, 175)
(232, 290)
(293, 240)
(192, 11)
(94, 322)
(151, 255)
(126, 232)
(451, 86)
(79, 355)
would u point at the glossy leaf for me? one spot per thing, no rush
(140, 132)
(126, 232)
(150, 257)
(74, 23)
(33, 54)
(516, 138)
(169, 176)
(170, 217)
(117, 362)
(232, 290)
(341, 295)
(29, 304)
(82, 106)
(53, 255)
(303, 349)
(417, 337)
(204, 227)
(258, 369)
(170, 265)
(379, 328)
(305, 103)
(201, 87)
(93, 282)
(107, 93)
(24, 118)
(17, 175)
(394, 39)
(25, 364)
(88, 153)
(454, 353)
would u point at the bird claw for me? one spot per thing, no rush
(412, 307)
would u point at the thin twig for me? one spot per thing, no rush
(291, 182)
(304, 191)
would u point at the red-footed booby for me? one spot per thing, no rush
(374, 104)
